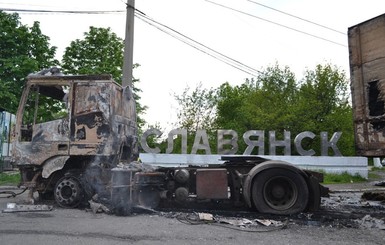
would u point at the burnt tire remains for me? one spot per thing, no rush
(279, 191)
(69, 192)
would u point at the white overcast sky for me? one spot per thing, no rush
(168, 65)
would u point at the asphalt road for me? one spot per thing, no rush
(74, 226)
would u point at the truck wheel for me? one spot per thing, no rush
(279, 191)
(69, 192)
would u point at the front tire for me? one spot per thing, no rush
(279, 191)
(69, 192)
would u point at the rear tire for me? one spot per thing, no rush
(279, 191)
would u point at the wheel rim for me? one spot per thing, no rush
(280, 193)
(68, 192)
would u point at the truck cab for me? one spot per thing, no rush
(66, 124)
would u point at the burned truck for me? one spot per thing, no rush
(367, 70)
(76, 137)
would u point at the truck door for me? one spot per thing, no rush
(42, 130)
(90, 128)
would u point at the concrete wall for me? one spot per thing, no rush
(351, 165)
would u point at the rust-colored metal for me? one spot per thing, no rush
(367, 60)
(212, 184)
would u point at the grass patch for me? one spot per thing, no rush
(372, 175)
(377, 169)
(9, 178)
(330, 178)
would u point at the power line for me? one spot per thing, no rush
(297, 17)
(25, 4)
(166, 29)
(275, 23)
(199, 46)
(61, 11)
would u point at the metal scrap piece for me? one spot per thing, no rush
(206, 216)
(98, 207)
(13, 208)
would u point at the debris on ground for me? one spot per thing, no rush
(100, 204)
(236, 222)
(13, 208)
(206, 216)
(98, 207)
(370, 222)
(374, 196)
(380, 183)
(269, 222)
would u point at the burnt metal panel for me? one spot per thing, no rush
(367, 61)
(90, 128)
(36, 154)
(53, 164)
(122, 197)
(212, 183)
(100, 122)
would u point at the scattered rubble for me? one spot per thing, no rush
(238, 223)
(370, 222)
(98, 207)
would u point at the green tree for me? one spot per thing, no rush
(323, 105)
(23, 50)
(100, 52)
(264, 103)
(275, 100)
(197, 108)
(232, 106)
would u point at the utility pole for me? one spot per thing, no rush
(128, 45)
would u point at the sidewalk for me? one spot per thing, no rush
(375, 177)
(355, 187)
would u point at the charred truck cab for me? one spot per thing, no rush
(76, 136)
(65, 124)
